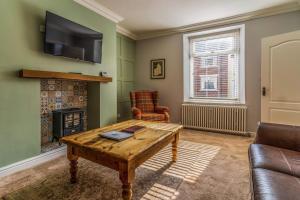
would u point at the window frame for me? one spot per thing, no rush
(187, 72)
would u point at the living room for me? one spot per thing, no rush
(108, 99)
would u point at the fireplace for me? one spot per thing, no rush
(62, 90)
(67, 121)
(61, 98)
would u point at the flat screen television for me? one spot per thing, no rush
(69, 39)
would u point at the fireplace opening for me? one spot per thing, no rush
(63, 110)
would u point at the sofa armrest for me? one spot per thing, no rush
(278, 135)
(137, 113)
(162, 109)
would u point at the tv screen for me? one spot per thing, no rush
(69, 39)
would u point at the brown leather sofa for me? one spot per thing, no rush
(275, 162)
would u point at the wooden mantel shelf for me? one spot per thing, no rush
(25, 73)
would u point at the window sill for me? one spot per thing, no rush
(217, 102)
(208, 90)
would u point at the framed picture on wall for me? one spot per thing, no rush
(158, 69)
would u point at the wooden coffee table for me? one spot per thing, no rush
(124, 156)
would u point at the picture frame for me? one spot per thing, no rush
(158, 69)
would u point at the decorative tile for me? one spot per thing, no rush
(64, 86)
(64, 98)
(58, 82)
(70, 87)
(51, 87)
(76, 87)
(76, 92)
(44, 84)
(58, 100)
(44, 94)
(70, 93)
(51, 94)
(51, 100)
(70, 99)
(51, 81)
(81, 98)
(51, 106)
(57, 106)
(57, 93)
(44, 126)
(44, 100)
(58, 85)
(44, 109)
(63, 93)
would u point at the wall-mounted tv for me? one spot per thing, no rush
(69, 39)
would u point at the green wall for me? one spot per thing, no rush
(126, 70)
(22, 47)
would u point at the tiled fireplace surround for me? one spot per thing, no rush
(60, 94)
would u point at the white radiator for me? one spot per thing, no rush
(229, 119)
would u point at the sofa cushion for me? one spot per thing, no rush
(274, 158)
(274, 185)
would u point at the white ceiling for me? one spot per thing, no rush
(141, 16)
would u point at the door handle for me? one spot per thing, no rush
(264, 91)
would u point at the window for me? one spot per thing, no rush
(209, 82)
(214, 66)
(209, 61)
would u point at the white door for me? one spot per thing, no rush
(280, 79)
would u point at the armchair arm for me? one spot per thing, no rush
(162, 109)
(282, 136)
(137, 113)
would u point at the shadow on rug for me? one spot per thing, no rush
(158, 178)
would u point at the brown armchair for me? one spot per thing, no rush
(144, 106)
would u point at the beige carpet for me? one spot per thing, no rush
(210, 166)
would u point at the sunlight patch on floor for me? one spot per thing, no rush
(160, 192)
(193, 159)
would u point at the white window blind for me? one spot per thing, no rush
(215, 66)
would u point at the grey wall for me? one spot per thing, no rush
(170, 48)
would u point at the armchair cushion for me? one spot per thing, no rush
(153, 117)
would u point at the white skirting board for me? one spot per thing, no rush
(31, 162)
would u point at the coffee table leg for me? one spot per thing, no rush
(174, 147)
(126, 174)
(73, 164)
